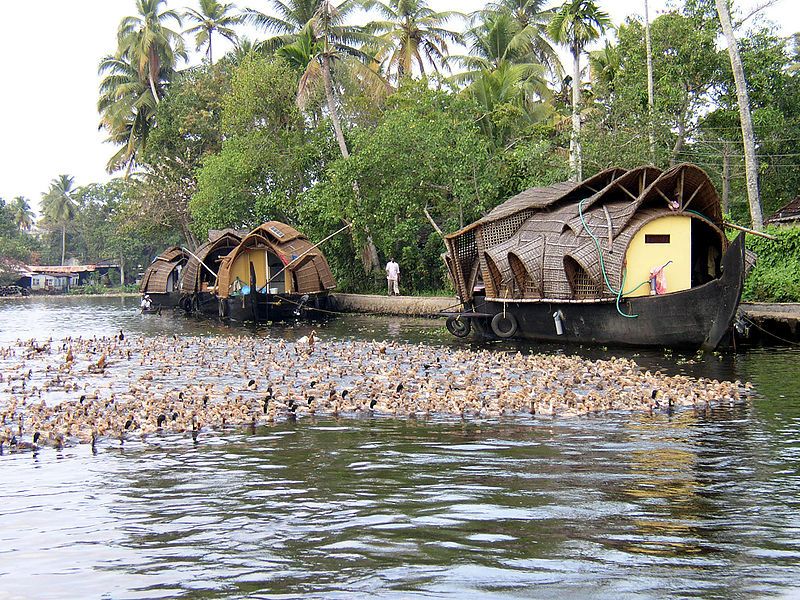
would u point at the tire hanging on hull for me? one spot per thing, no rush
(504, 325)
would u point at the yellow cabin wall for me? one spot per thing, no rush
(241, 269)
(641, 257)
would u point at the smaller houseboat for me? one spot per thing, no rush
(161, 279)
(275, 273)
(198, 282)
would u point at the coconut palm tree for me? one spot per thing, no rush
(316, 31)
(574, 25)
(319, 27)
(496, 38)
(127, 109)
(149, 45)
(59, 207)
(412, 33)
(749, 139)
(504, 76)
(213, 17)
(22, 213)
(531, 20)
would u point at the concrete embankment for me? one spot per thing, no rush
(420, 306)
(772, 322)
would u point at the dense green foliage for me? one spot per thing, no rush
(329, 124)
(776, 275)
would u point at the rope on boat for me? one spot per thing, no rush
(618, 293)
(762, 330)
(298, 257)
(214, 275)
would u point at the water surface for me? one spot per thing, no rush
(621, 505)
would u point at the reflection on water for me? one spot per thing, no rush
(697, 504)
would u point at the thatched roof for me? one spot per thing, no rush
(223, 242)
(538, 243)
(307, 264)
(156, 276)
(790, 213)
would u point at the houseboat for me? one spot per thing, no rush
(633, 257)
(275, 273)
(198, 281)
(161, 279)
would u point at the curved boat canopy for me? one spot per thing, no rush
(275, 258)
(162, 276)
(197, 277)
(582, 241)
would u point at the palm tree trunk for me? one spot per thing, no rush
(63, 243)
(152, 73)
(337, 125)
(651, 134)
(210, 57)
(726, 178)
(751, 167)
(575, 158)
(369, 253)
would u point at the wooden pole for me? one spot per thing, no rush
(753, 231)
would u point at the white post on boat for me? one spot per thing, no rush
(557, 317)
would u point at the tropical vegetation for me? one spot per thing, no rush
(398, 123)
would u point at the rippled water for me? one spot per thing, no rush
(693, 505)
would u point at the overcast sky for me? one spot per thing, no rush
(51, 48)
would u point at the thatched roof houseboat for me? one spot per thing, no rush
(198, 282)
(161, 279)
(627, 256)
(275, 272)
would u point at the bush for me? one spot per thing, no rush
(776, 276)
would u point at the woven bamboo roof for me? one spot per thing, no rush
(543, 243)
(307, 264)
(156, 276)
(223, 242)
(790, 213)
(542, 197)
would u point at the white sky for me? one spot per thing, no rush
(51, 49)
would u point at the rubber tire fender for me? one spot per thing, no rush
(460, 328)
(504, 325)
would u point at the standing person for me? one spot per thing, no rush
(392, 277)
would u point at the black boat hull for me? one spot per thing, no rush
(165, 300)
(700, 317)
(263, 308)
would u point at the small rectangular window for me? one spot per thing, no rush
(656, 238)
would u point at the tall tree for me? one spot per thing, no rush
(320, 26)
(127, 109)
(328, 40)
(574, 25)
(152, 47)
(412, 33)
(751, 166)
(651, 133)
(58, 206)
(213, 17)
(22, 213)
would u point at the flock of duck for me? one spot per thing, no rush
(81, 390)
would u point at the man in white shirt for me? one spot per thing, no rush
(392, 277)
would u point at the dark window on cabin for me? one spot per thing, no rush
(656, 238)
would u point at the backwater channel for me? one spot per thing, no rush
(619, 505)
